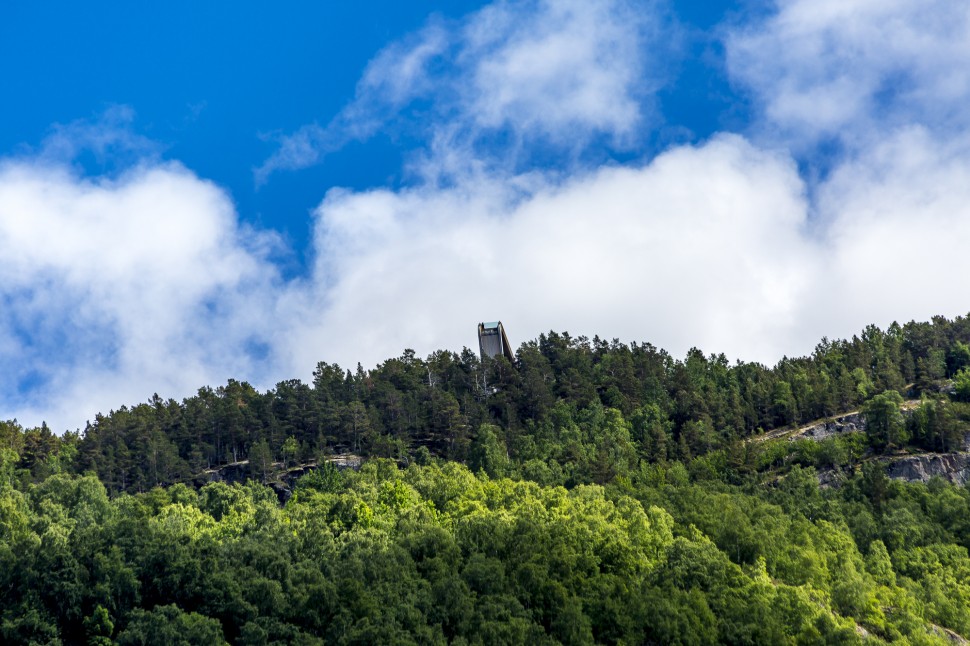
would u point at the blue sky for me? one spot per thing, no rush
(212, 84)
(201, 191)
(208, 83)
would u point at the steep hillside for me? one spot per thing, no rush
(591, 492)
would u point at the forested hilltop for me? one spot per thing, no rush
(572, 411)
(594, 492)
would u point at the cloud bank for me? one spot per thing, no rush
(114, 288)
(117, 287)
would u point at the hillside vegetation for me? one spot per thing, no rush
(592, 493)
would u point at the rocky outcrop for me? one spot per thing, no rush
(230, 473)
(954, 467)
(831, 478)
(345, 461)
(850, 423)
(949, 635)
(283, 485)
(283, 480)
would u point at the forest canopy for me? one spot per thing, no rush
(589, 492)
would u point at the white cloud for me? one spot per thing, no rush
(715, 246)
(889, 81)
(557, 69)
(701, 246)
(303, 148)
(398, 74)
(146, 283)
(117, 288)
(898, 218)
(560, 73)
(394, 78)
(851, 69)
(108, 138)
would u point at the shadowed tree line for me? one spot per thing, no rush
(571, 411)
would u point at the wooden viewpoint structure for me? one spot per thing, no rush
(492, 341)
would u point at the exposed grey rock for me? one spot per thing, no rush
(851, 423)
(949, 635)
(283, 480)
(830, 478)
(230, 473)
(345, 461)
(954, 467)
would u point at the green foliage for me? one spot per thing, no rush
(934, 426)
(99, 627)
(167, 625)
(589, 410)
(958, 358)
(436, 554)
(261, 461)
(595, 492)
(488, 452)
(290, 451)
(885, 426)
(326, 479)
(961, 385)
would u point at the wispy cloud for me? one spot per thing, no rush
(852, 70)
(512, 75)
(109, 139)
(397, 76)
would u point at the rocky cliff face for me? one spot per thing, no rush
(954, 467)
